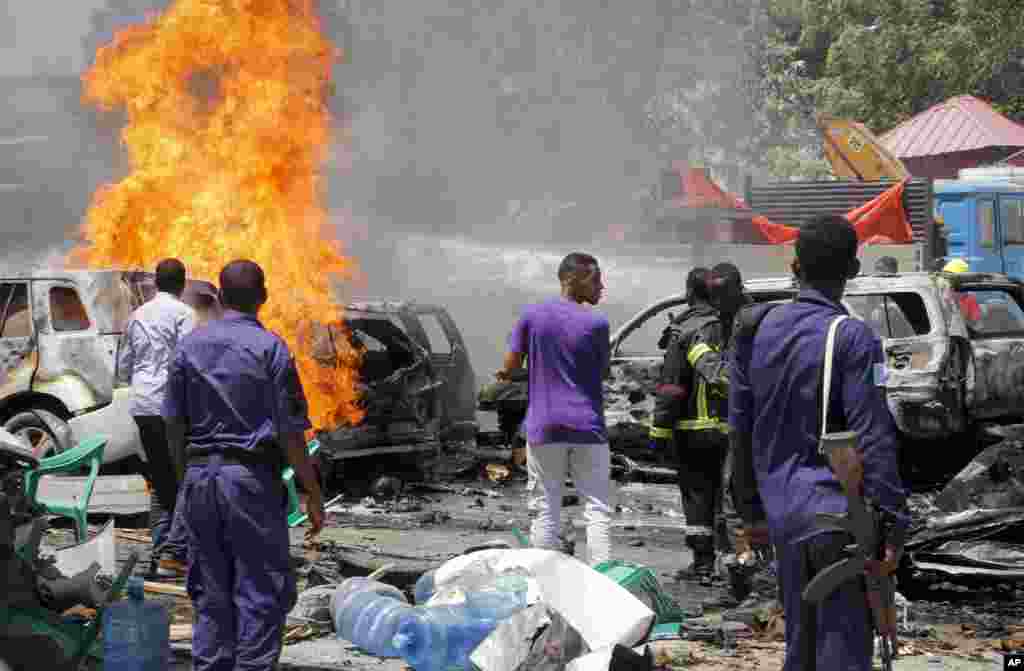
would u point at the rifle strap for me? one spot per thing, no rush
(826, 387)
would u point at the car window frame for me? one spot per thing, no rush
(989, 335)
(5, 317)
(932, 318)
(637, 322)
(70, 286)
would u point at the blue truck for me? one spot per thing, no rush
(983, 216)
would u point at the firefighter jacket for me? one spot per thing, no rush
(693, 388)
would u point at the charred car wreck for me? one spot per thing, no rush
(416, 381)
(59, 334)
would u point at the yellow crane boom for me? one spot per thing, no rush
(855, 153)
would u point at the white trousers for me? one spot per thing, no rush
(590, 466)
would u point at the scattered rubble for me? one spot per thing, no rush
(969, 537)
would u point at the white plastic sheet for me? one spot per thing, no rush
(603, 612)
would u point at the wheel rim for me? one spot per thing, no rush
(41, 442)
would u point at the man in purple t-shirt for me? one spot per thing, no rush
(565, 345)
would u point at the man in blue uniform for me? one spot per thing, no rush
(235, 402)
(774, 412)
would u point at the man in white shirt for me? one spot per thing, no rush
(147, 349)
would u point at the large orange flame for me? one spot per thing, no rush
(226, 130)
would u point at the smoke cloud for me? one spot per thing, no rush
(535, 125)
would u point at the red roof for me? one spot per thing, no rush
(960, 124)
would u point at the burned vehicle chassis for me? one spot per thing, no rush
(416, 383)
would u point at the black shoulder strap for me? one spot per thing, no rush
(749, 319)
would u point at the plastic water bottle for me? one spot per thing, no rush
(424, 588)
(377, 623)
(440, 639)
(136, 633)
(349, 590)
(500, 600)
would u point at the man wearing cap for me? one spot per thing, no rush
(968, 303)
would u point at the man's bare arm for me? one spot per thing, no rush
(295, 449)
(513, 362)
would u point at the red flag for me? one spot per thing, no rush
(777, 234)
(699, 191)
(881, 220)
(883, 216)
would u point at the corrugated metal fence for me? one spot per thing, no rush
(792, 203)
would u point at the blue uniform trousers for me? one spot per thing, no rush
(835, 635)
(239, 578)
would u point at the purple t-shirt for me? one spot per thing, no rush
(566, 348)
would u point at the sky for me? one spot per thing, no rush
(35, 38)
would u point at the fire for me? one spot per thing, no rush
(226, 130)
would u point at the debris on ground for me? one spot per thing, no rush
(498, 472)
(970, 535)
(993, 480)
(361, 535)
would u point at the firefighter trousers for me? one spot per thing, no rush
(702, 462)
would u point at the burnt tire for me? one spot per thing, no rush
(46, 433)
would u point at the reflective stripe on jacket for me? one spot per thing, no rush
(691, 359)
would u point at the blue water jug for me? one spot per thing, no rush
(349, 598)
(441, 638)
(136, 633)
(377, 623)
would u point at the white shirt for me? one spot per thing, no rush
(147, 348)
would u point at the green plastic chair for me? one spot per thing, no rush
(295, 514)
(89, 451)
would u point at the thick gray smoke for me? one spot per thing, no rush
(486, 136)
(490, 139)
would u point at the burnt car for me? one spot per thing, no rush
(59, 334)
(416, 381)
(954, 346)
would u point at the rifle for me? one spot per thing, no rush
(862, 521)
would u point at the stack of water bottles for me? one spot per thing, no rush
(378, 618)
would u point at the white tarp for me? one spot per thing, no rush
(602, 611)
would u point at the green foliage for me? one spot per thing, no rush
(879, 62)
(883, 61)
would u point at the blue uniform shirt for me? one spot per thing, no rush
(776, 399)
(235, 385)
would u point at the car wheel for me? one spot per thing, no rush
(44, 432)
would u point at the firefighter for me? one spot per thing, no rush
(690, 412)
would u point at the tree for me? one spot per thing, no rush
(883, 61)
